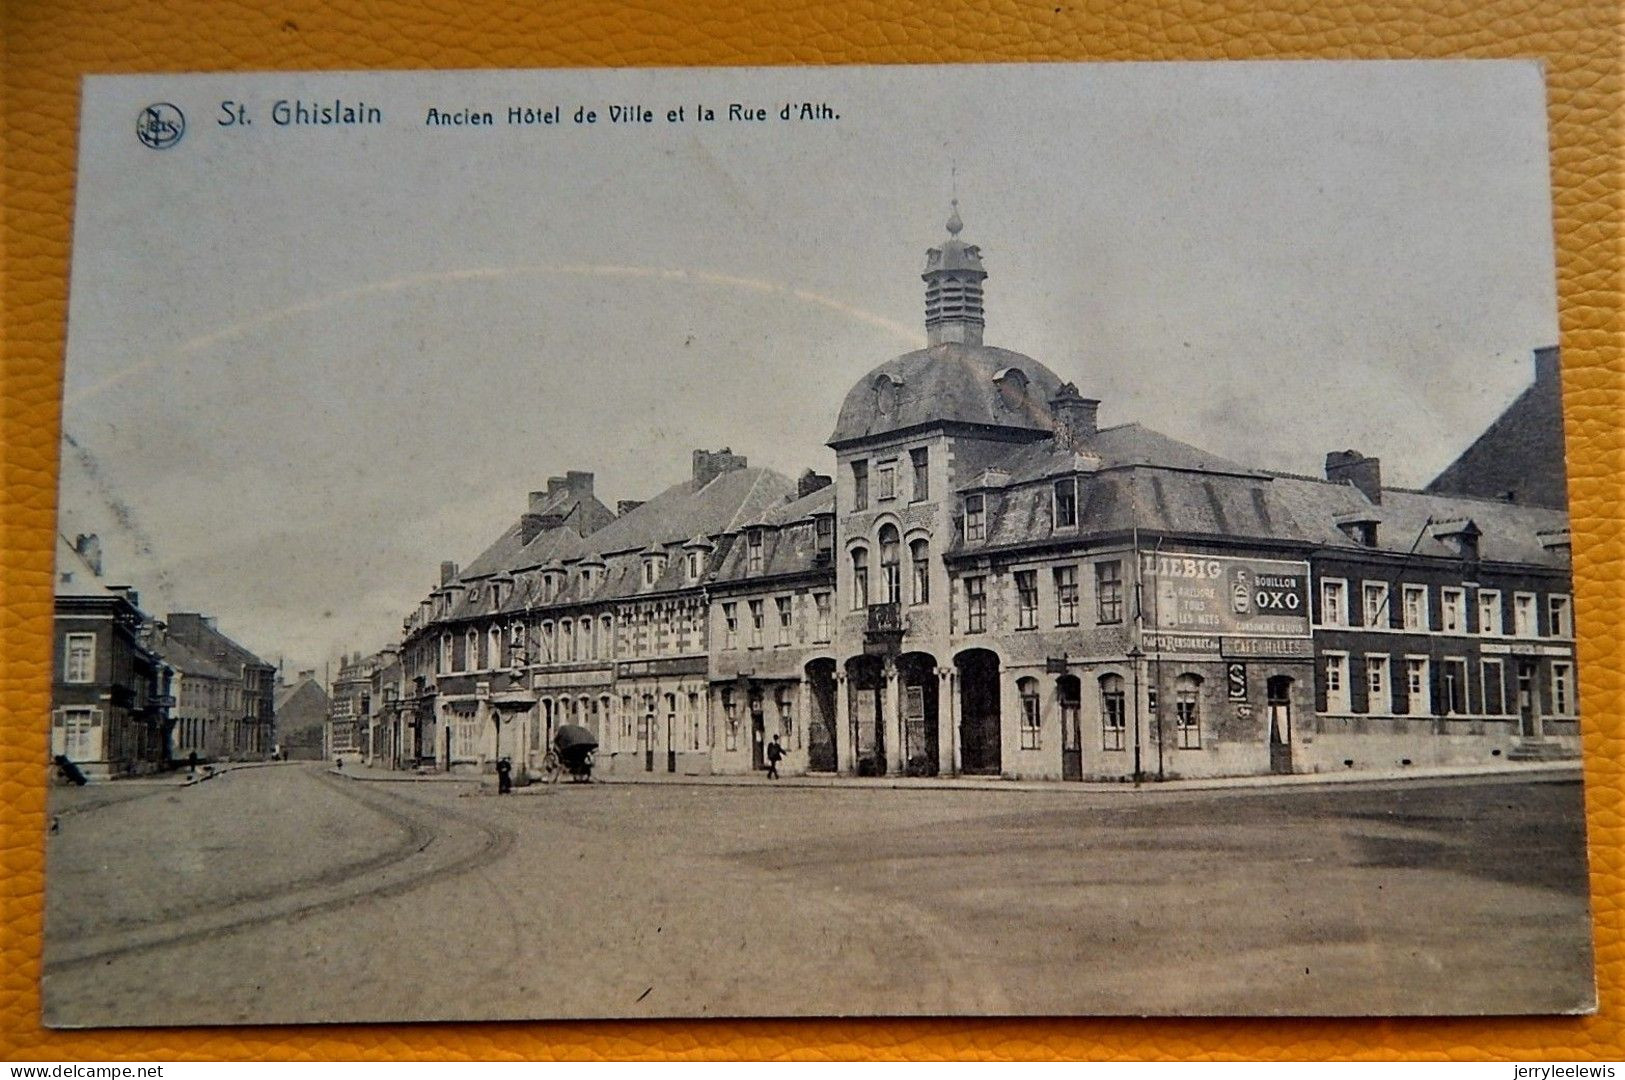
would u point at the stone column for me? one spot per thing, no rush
(892, 702)
(848, 758)
(803, 707)
(947, 722)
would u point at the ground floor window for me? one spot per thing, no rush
(1562, 689)
(1187, 711)
(787, 715)
(1454, 686)
(1495, 688)
(78, 734)
(1113, 715)
(730, 720)
(1030, 717)
(1418, 690)
(465, 738)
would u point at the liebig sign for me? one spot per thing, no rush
(1227, 597)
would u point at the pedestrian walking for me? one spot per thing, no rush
(774, 753)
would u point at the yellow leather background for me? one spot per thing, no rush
(49, 44)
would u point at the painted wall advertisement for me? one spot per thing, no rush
(1220, 605)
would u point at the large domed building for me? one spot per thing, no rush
(993, 583)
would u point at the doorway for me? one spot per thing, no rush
(1278, 700)
(1069, 693)
(1528, 710)
(821, 749)
(979, 724)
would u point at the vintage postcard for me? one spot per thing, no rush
(1068, 539)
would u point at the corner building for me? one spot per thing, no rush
(993, 583)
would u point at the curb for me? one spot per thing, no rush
(1534, 772)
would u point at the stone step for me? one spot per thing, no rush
(1541, 750)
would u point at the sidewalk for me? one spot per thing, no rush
(1531, 771)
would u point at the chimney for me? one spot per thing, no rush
(555, 485)
(1074, 417)
(708, 465)
(448, 573)
(810, 482)
(626, 506)
(89, 545)
(1548, 362)
(578, 483)
(1353, 467)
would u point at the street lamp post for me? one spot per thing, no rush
(1135, 656)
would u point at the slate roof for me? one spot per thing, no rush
(1510, 531)
(789, 542)
(682, 512)
(189, 661)
(951, 382)
(74, 576)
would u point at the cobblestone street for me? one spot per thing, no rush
(289, 894)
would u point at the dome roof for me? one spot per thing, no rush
(954, 382)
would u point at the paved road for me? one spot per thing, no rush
(288, 894)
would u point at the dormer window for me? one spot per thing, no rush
(654, 565)
(885, 394)
(975, 517)
(754, 548)
(823, 535)
(1012, 386)
(1066, 503)
(693, 566)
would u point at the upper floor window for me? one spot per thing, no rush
(1026, 599)
(920, 461)
(730, 625)
(1490, 620)
(1416, 607)
(1066, 596)
(975, 604)
(821, 607)
(1452, 610)
(1109, 591)
(1559, 617)
(757, 617)
(860, 485)
(1334, 608)
(886, 481)
(471, 651)
(860, 578)
(1066, 503)
(784, 606)
(493, 647)
(1374, 603)
(823, 534)
(606, 634)
(80, 665)
(920, 556)
(548, 655)
(753, 551)
(891, 572)
(1523, 614)
(975, 517)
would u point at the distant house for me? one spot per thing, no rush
(301, 710)
(250, 717)
(109, 705)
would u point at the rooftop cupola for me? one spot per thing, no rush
(953, 289)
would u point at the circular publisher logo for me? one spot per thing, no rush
(160, 126)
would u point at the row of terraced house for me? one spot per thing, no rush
(988, 581)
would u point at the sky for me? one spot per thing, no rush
(307, 363)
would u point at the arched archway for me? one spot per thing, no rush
(866, 690)
(979, 726)
(820, 724)
(917, 676)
